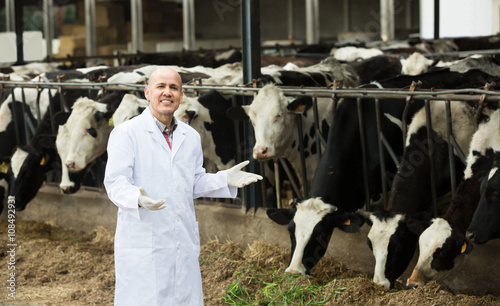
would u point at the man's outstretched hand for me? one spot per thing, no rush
(238, 178)
(148, 203)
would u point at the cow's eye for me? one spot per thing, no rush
(92, 132)
(278, 117)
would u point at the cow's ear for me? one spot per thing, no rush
(60, 118)
(237, 113)
(300, 105)
(282, 216)
(349, 222)
(108, 115)
(418, 223)
(465, 246)
(190, 115)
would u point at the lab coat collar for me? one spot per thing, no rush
(152, 128)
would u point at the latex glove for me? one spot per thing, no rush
(148, 203)
(238, 178)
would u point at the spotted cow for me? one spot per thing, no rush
(392, 242)
(443, 243)
(83, 138)
(485, 225)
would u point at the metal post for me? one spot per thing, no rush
(451, 156)
(436, 19)
(290, 19)
(48, 26)
(387, 20)
(251, 70)
(409, 16)
(431, 157)
(312, 22)
(19, 32)
(136, 23)
(347, 15)
(381, 153)
(362, 138)
(188, 24)
(90, 21)
(10, 16)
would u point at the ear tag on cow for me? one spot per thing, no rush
(110, 122)
(42, 162)
(299, 108)
(464, 247)
(4, 167)
(347, 222)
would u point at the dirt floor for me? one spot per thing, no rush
(56, 266)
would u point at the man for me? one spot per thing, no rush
(153, 179)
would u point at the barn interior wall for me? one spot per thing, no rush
(222, 19)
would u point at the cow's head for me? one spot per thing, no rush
(83, 137)
(130, 106)
(272, 120)
(440, 247)
(310, 226)
(392, 239)
(485, 224)
(27, 172)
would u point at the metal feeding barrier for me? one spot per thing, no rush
(478, 97)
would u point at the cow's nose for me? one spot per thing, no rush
(70, 164)
(416, 279)
(470, 235)
(260, 152)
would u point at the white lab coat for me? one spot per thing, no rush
(156, 252)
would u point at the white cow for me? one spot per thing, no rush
(84, 136)
(276, 128)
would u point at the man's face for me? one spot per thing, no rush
(164, 92)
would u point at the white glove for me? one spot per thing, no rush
(148, 203)
(238, 178)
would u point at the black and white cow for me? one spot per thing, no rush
(385, 66)
(83, 138)
(207, 115)
(337, 189)
(31, 162)
(19, 121)
(485, 223)
(275, 127)
(392, 242)
(443, 243)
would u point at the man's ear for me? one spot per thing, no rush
(146, 92)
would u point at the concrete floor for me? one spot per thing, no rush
(85, 210)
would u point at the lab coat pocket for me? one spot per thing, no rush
(134, 241)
